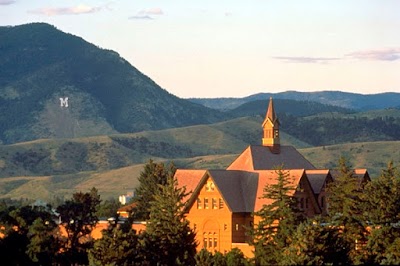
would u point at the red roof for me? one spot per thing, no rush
(261, 157)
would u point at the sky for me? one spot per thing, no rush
(236, 48)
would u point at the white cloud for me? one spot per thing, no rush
(141, 17)
(148, 13)
(389, 54)
(305, 59)
(75, 10)
(6, 2)
(152, 11)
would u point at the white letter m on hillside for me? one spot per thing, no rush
(64, 102)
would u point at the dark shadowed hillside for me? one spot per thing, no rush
(40, 64)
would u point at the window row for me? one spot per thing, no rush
(205, 204)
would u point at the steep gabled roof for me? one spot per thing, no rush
(318, 178)
(238, 188)
(360, 173)
(190, 179)
(261, 158)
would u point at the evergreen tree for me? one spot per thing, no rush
(116, 247)
(168, 238)
(43, 246)
(235, 257)
(153, 175)
(382, 211)
(22, 243)
(219, 259)
(345, 198)
(382, 198)
(108, 208)
(315, 243)
(278, 221)
(78, 217)
(204, 258)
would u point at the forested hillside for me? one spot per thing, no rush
(40, 64)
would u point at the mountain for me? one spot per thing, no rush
(289, 107)
(360, 102)
(40, 65)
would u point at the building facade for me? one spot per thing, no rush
(221, 203)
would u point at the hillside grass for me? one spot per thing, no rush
(59, 167)
(373, 156)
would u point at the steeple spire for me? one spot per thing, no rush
(271, 129)
(271, 111)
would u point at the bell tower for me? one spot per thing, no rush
(271, 129)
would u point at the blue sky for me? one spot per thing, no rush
(237, 48)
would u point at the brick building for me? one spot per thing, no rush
(221, 202)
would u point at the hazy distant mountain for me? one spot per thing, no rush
(40, 64)
(354, 101)
(289, 107)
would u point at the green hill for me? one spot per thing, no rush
(40, 64)
(55, 168)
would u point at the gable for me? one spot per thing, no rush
(269, 122)
(318, 179)
(238, 188)
(190, 179)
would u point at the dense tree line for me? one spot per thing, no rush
(362, 227)
(320, 131)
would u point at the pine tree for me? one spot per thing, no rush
(345, 199)
(43, 245)
(153, 175)
(235, 257)
(168, 237)
(315, 243)
(382, 211)
(204, 258)
(278, 221)
(116, 247)
(21, 243)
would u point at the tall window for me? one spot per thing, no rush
(199, 203)
(210, 240)
(221, 203)
(214, 203)
(322, 201)
(306, 203)
(205, 203)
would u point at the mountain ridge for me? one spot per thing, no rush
(356, 101)
(40, 64)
